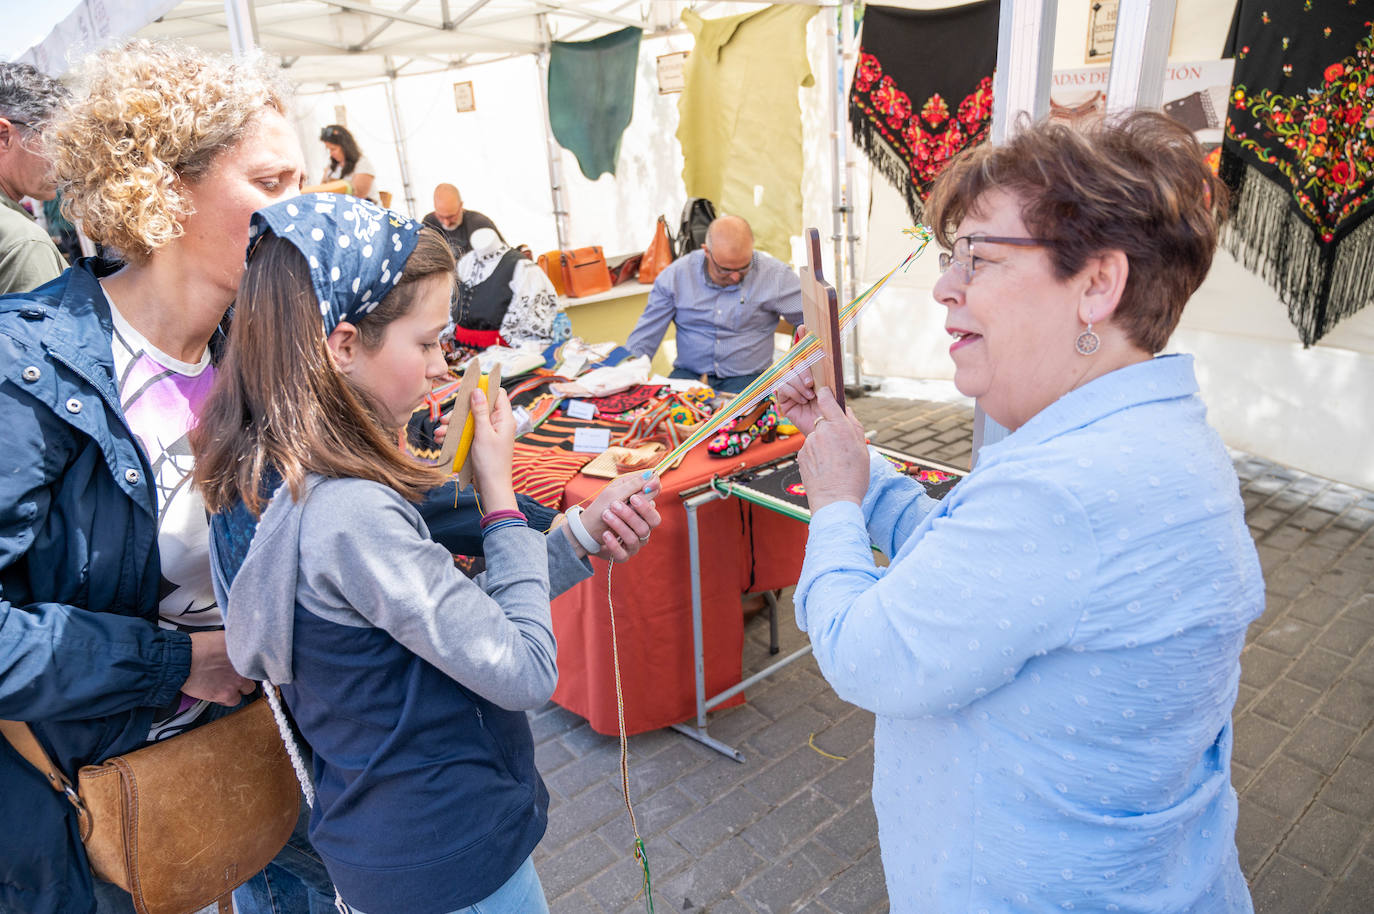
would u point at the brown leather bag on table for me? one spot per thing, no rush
(181, 823)
(553, 269)
(584, 271)
(658, 255)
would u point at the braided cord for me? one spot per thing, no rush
(641, 853)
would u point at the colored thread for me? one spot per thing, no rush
(802, 354)
(812, 743)
(641, 854)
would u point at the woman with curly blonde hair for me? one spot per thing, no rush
(109, 632)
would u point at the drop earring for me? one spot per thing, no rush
(1087, 341)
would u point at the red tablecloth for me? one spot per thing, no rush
(744, 549)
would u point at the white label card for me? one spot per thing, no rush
(591, 440)
(579, 409)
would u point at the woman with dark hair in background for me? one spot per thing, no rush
(347, 162)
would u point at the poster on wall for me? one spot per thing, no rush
(463, 99)
(1195, 94)
(1101, 30)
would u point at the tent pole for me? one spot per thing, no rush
(243, 27)
(1025, 61)
(551, 148)
(845, 66)
(398, 131)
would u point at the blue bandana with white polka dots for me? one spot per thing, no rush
(355, 249)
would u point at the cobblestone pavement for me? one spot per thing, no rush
(792, 829)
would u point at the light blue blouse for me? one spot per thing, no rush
(1053, 655)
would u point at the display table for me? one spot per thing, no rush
(612, 314)
(743, 548)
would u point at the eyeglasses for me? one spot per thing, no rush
(741, 272)
(963, 250)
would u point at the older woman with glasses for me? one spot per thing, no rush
(1053, 651)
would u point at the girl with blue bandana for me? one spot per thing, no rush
(408, 681)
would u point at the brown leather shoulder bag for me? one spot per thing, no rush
(181, 823)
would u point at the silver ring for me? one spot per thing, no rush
(819, 420)
(643, 539)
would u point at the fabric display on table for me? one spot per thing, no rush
(600, 382)
(740, 119)
(1298, 155)
(592, 97)
(922, 90)
(499, 289)
(760, 423)
(544, 460)
(616, 406)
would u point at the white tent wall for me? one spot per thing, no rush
(1308, 408)
(496, 157)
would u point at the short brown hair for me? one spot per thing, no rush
(152, 116)
(280, 401)
(1136, 183)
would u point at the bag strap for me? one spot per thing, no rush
(26, 744)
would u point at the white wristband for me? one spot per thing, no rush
(579, 530)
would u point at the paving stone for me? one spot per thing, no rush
(1350, 702)
(1317, 607)
(1346, 635)
(1349, 788)
(551, 755)
(1261, 667)
(575, 818)
(1258, 832)
(1336, 537)
(1289, 580)
(1256, 740)
(851, 780)
(654, 813)
(1365, 747)
(1285, 787)
(1286, 703)
(1340, 582)
(1320, 744)
(564, 872)
(1288, 636)
(1356, 519)
(622, 883)
(847, 735)
(715, 875)
(858, 888)
(853, 832)
(679, 758)
(583, 772)
(790, 774)
(1266, 519)
(709, 826)
(1352, 890)
(1324, 838)
(1287, 887)
(777, 698)
(584, 740)
(790, 823)
(1312, 518)
(552, 720)
(1287, 537)
(779, 887)
(1318, 668)
(787, 732)
(1362, 670)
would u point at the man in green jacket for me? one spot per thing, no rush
(28, 101)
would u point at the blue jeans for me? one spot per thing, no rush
(295, 882)
(522, 893)
(730, 385)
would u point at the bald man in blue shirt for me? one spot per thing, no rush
(725, 299)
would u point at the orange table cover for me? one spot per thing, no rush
(744, 549)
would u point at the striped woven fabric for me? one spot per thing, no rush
(544, 460)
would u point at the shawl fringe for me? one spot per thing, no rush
(888, 163)
(1321, 283)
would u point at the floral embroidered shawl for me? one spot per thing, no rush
(922, 90)
(1298, 154)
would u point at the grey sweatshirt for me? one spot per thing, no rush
(355, 553)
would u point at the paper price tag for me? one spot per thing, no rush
(579, 409)
(591, 440)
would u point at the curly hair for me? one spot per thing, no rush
(1136, 183)
(153, 117)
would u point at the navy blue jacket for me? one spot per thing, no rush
(81, 656)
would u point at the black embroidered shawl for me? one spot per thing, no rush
(1298, 154)
(922, 90)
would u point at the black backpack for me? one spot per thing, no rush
(697, 216)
